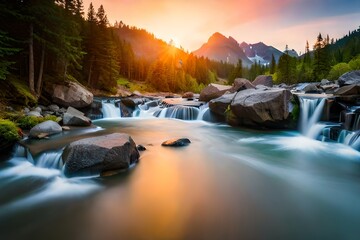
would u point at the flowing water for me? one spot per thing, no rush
(229, 183)
(110, 110)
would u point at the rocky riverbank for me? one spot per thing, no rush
(258, 104)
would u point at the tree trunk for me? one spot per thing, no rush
(90, 71)
(65, 70)
(41, 70)
(31, 59)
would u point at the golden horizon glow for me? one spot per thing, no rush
(278, 23)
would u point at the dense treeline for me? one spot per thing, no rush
(53, 40)
(43, 40)
(328, 60)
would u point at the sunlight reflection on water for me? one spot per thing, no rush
(224, 185)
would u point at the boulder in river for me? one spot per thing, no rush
(349, 78)
(188, 95)
(241, 84)
(98, 155)
(70, 94)
(220, 105)
(262, 108)
(179, 142)
(312, 88)
(353, 89)
(264, 80)
(213, 91)
(74, 117)
(45, 129)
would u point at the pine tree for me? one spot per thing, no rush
(6, 50)
(321, 58)
(287, 68)
(272, 64)
(236, 73)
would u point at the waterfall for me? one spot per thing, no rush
(110, 110)
(179, 112)
(51, 159)
(203, 109)
(311, 110)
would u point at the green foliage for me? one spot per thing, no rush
(50, 117)
(236, 73)
(16, 92)
(295, 113)
(8, 133)
(338, 70)
(28, 122)
(5, 51)
(272, 64)
(321, 58)
(92, 52)
(286, 71)
(355, 63)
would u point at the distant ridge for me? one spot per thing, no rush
(221, 48)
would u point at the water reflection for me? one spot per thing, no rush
(227, 184)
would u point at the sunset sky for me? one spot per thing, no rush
(275, 22)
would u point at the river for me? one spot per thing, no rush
(229, 183)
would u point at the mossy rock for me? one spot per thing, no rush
(16, 92)
(9, 135)
(28, 122)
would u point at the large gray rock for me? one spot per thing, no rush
(54, 107)
(262, 108)
(349, 78)
(220, 105)
(70, 94)
(73, 117)
(312, 88)
(241, 84)
(263, 80)
(348, 90)
(213, 91)
(45, 129)
(98, 155)
(34, 114)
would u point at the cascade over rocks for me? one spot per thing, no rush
(97, 155)
(70, 94)
(263, 80)
(349, 78)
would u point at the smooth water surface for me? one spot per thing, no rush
(227, 184)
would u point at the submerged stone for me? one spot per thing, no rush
(141, 147)
(181, 142)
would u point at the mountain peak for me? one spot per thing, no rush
(221, 48)
(216, 38)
